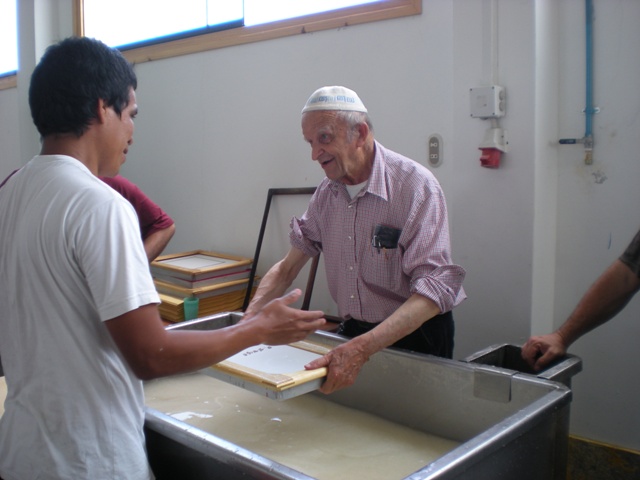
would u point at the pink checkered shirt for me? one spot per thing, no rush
(370, 283)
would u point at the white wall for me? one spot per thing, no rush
(10, 158)
(217, 129)
(598, 211)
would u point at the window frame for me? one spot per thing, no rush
(243, 35)
(8, 81)
(335, 19)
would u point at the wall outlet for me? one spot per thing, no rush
(435, 150)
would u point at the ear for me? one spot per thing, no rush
(101, 113)
(363, 133)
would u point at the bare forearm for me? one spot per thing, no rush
(272, 285)
(606, 297)
(346, 360)
(155, 243)
(186, 351)
(277, 280)
(405, 320)
(152, 351)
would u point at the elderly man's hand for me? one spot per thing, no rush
(343, 363)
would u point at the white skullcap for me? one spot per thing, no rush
(334, 98)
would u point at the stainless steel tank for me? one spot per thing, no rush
(509, 424)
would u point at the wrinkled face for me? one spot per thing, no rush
(331, 147)
(119, 136)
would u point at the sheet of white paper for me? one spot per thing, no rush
(280, 359)
(193, 262)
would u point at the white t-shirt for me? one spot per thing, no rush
(71, 257)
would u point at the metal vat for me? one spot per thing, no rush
(510, 425)
(509, 357)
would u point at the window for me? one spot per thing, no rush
(8, 43)
(186, 26)
(129, 23)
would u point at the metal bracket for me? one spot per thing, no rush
(492, 384)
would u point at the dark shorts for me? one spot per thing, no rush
(434, 336)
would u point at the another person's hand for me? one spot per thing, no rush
(281, 324)
(343, 363)
(540, 351)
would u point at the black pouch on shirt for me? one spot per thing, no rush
(385, 237)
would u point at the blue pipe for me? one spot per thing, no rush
(589, 110)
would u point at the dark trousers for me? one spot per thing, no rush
(434, 336)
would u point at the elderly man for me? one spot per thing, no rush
(380, 220)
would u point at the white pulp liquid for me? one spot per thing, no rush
(308, 433)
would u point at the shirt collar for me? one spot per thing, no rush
(377, 185)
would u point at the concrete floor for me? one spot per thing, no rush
(596, 461)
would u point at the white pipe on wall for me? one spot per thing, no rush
(545, 159)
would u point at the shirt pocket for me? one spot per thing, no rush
(382, 268)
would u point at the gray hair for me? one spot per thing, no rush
(353, 119)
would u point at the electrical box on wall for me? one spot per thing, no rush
(487, 102)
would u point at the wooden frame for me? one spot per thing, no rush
(250, 369)
(178, 291)
(178, 264)
(8, 81)
(314, 266)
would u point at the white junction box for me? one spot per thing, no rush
(487, 102)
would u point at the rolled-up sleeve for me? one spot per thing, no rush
(299, 240)
(443, 285)
(427, 257)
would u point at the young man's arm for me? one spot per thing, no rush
(152, 351)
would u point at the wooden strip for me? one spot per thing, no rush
(312, 347)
